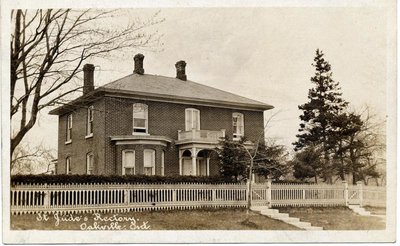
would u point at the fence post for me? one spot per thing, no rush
(126, 196)
(269, 193)
(346, 193)
(46, 197)
(360, 192)
(174, 195)
(214, 195)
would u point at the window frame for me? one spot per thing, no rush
(124, 161)
(68, 132)
(68, 165)
(192, 112)
(162, 162)
(240, 134)
(89, 122)
(146, 118)
(89, 156)
(153, 159)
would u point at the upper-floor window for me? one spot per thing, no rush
(149, 162)
(68, 165)
(89, 121)
(128, 162)
(69, 128)
(192, 119)
(89, 163)
(238, 125)
(140, 118)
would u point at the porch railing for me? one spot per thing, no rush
(202, 135)
(137, 197)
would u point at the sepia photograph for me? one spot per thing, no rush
(181, 122)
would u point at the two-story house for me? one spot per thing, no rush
(151, 124)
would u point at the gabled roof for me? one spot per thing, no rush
(163, 88)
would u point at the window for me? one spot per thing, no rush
(68, 165)
(149, 162)
(192, 119)
(128, 162)
(162, 162)
(89, 123)
(89, 163)
(238, 125)
(69, 128)
(140, 116)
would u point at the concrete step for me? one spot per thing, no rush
(275, 214)
(290, 220)
(302, 224)
(269, 211)
(279, 216)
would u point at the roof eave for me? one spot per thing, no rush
(71, 106)
(166, 98)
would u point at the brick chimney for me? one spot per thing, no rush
(88, 78)
(180, 70)
(138, 64)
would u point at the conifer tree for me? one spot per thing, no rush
(324, 104)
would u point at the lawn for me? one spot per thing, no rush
(375, 210)
(335, 218)
(207, 219)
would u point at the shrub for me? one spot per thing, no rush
(103, 179)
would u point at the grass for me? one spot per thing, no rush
(206, 219)
(375, 210)
(335, 218)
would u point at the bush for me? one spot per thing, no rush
(103, 179)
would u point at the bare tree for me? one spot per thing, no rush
(48, 48)
(32, 160)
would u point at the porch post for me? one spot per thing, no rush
(208, 166)
(180, 162)
(194, 173)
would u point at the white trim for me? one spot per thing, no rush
(152, 160)
(187, 101)
(89, 119)
(89, 136)
(192, 112)
(145, 108)
(89, 156)
(151, 142)
(68, 142)
(68, 165)
(69, 129)
(123, 160)
(162, 162)
(240, 134)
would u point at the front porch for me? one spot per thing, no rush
(195, 150)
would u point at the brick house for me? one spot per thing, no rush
(150, 124)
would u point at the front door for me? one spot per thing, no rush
(201, 167)
(187, 166)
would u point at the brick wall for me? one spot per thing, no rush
(165, 119)
(113, 117)
(80, 145)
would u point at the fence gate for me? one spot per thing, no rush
(354, 195)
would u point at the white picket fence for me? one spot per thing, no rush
(77, 198)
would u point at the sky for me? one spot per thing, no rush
(260, 53)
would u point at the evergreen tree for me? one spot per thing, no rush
(307, 163)
(271, 160)
(233, 159)
(324, 104)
